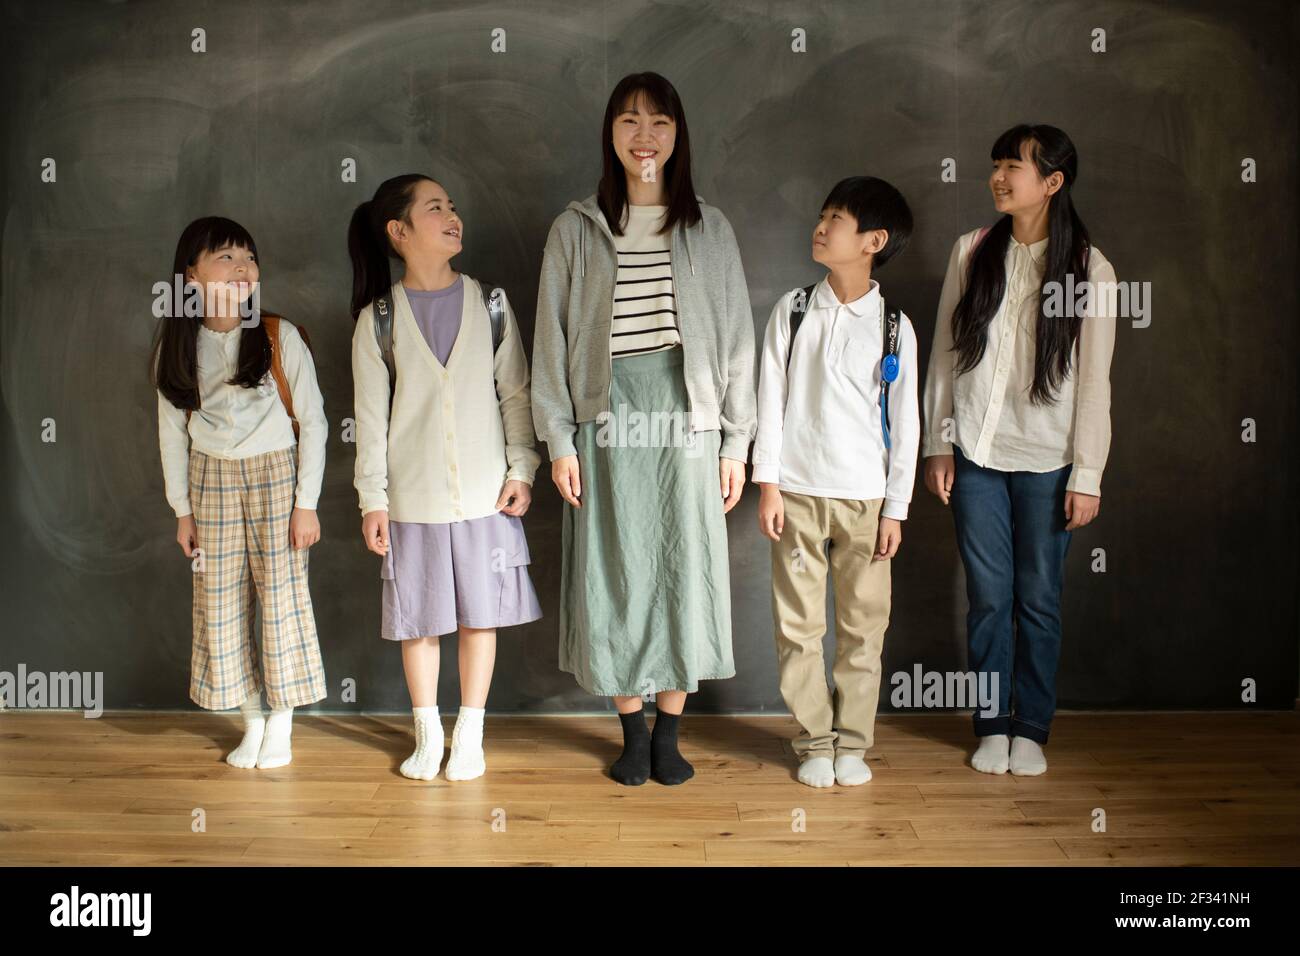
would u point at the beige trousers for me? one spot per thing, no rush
(842, 723)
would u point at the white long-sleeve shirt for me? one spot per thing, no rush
(455, 434)
(987, 412)
(819, 429)
(234, 422)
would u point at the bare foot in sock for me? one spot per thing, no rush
(1027, 758)
(817, 772)
(992, 755)
(632, 768)
(275, 750)
(466, 761)
(851, 771)
(667, 765)
(423, 764)
(245, 755)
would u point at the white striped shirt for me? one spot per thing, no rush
(645, 309)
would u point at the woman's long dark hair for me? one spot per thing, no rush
(611, 194)
(368, 244)
(1067, 251)
(173, 363)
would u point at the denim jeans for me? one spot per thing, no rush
(1012, 538)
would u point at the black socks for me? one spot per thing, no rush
(633, 768)
(667, 765)
(645, 754)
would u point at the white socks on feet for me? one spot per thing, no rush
(275, 750)
(424, 763)
(851, 771)
(992, 755)
(245, 755)
(466, 761)
(1027, 759)
(817, 772)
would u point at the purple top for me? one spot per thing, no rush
(438, 316)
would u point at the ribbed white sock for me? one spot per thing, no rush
(275, 750)
(423, 764)
(245, 755)
(992, 755)
(1027, 758)
(467, 761)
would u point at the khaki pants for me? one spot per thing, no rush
(842, 724)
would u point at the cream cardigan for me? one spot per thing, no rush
(456, 434)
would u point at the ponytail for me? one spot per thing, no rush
(368, 244)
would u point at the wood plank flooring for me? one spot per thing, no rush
(1176, 788)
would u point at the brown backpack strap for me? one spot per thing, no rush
(277, 368)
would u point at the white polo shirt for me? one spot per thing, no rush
(819, 427)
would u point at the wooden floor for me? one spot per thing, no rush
(122, 789)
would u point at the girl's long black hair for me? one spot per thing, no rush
(368, 244)
(611, 194)
(173, 362)
(1067, 252)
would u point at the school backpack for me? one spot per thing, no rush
(383, 322)
(888, 359)
(272, 323)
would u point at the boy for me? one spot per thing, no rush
(836, 476)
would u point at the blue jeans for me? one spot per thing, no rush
(1012, 538)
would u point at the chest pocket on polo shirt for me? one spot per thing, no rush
(858, 361)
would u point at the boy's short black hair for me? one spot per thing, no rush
(876, 205)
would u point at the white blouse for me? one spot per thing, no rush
(234, 422)
(987, 412)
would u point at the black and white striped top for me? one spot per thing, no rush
(645, 308)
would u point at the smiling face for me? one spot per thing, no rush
(434, 231)
(643, 139)
(227, 277)
(1017, 186)
(837, 242)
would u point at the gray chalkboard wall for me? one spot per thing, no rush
(1198, 527)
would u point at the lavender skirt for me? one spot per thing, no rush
(472, 573)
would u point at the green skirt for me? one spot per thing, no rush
(645, 581)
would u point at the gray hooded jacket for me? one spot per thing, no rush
(575, 305)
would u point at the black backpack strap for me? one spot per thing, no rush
(494, 299)
(798, 308)
(383, 320)
(888, 348)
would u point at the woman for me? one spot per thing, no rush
(1017, 419)
(643, 317)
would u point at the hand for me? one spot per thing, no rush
(374, 531)
(731, 476)
(515, 497)
(1080, 509)
(304, 528)
(187, 534)
(564, 472)
(940, 470)
(771, 511)
(888, 538)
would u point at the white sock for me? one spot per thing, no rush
(245, 755)
(850, 771)
(424, 762)
(991, 757)
(817, 772)
(1027, 758)
(275, 750)
(466, 761)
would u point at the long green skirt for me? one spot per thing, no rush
(645, 582)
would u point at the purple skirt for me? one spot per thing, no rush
(438, 577)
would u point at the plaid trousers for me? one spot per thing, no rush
(242, 511)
